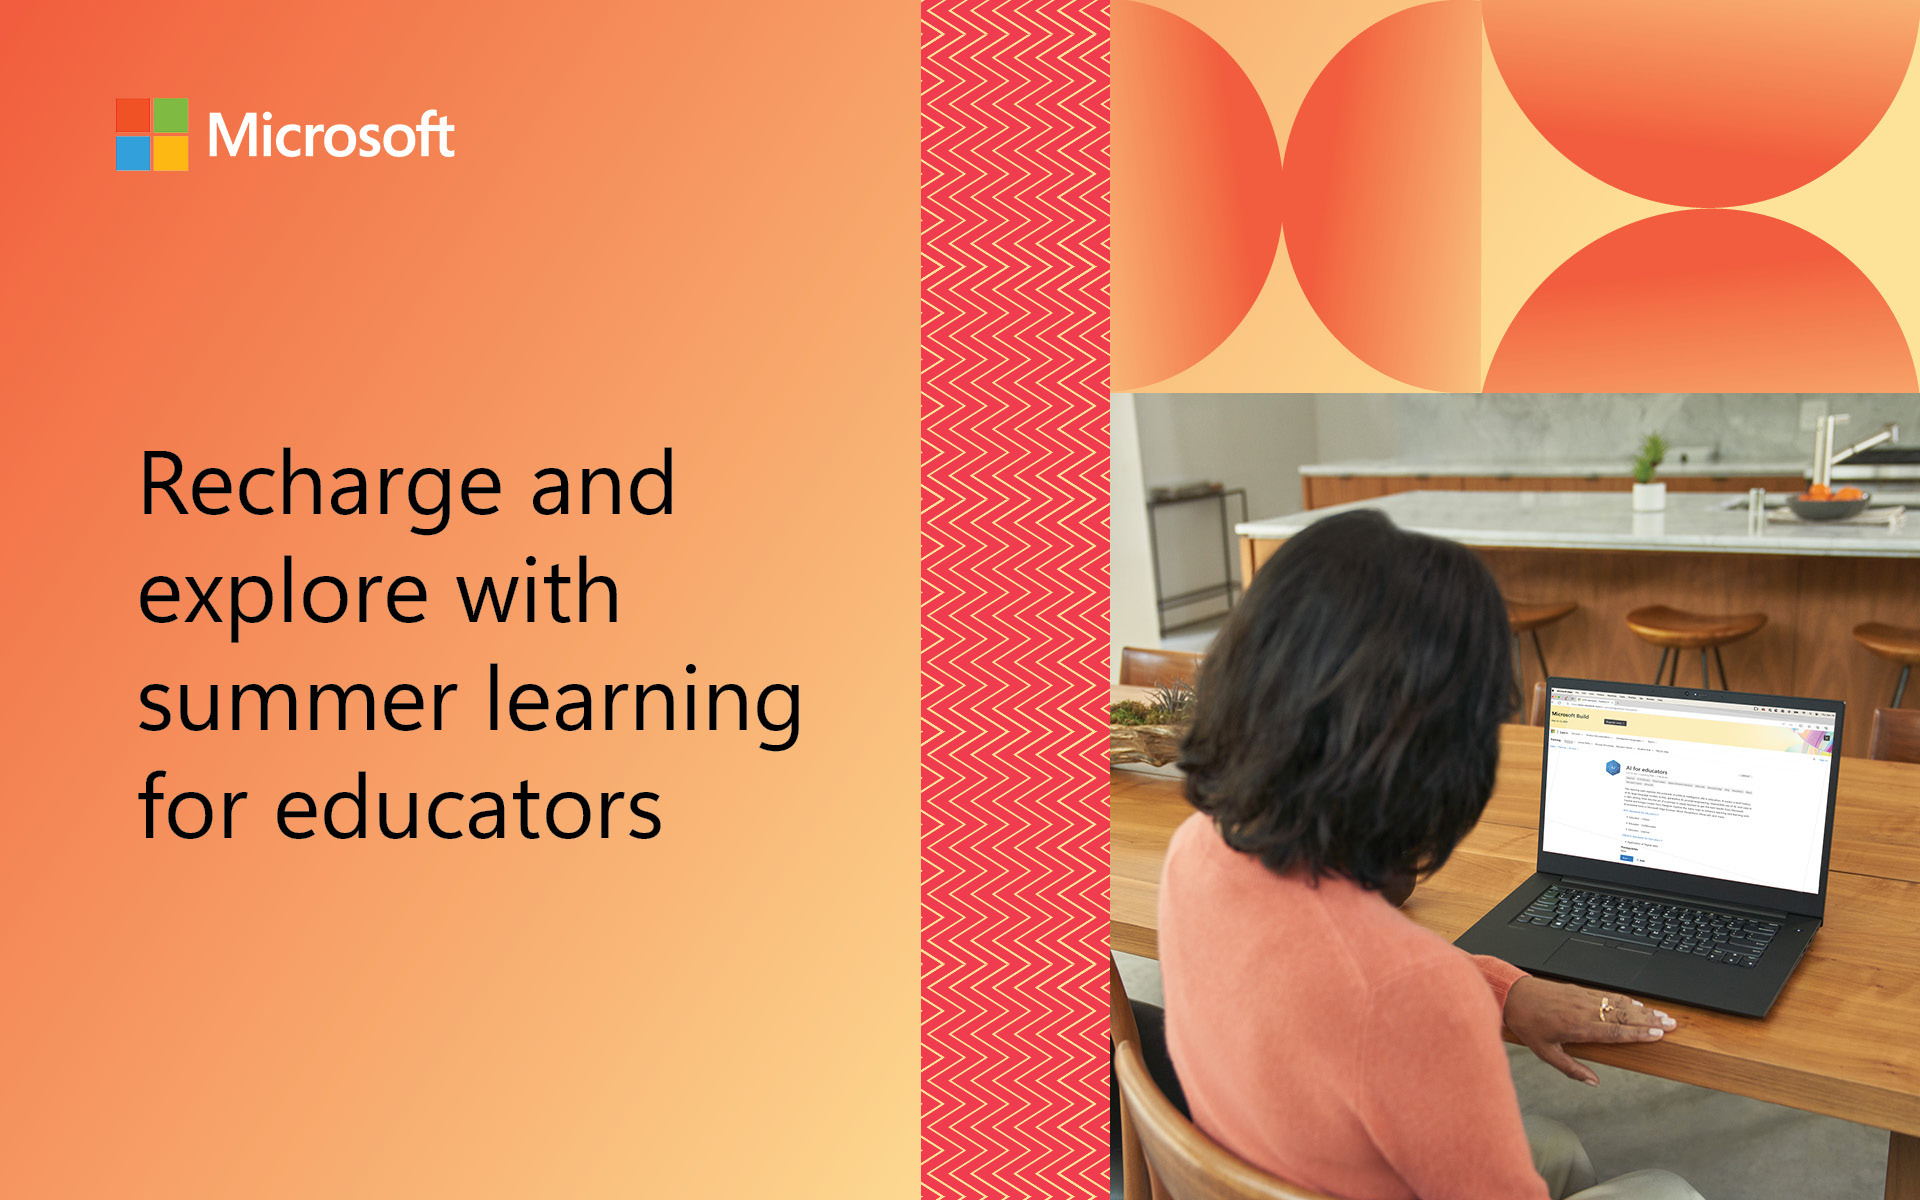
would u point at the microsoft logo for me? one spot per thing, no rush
(150, 135)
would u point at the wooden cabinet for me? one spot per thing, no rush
(1254, 553)
(1510, 483)
(1320, 491)
(1735, 483)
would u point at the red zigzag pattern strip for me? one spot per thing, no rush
(1014, 598)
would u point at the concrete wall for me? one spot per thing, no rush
(1356, 426)
(1258, 442)
(1132, 613)
(1742, 427)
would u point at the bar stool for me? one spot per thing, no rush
(1529, 619)
(1675, 630)
(1891, 641)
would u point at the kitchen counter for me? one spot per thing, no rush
(1327, 484)
(1813, 582)
(1560, 468)
(1692, 521)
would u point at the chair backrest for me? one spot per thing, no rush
(1125, 1032)
(1120, 1026)
(1537, 711)
(1156, 668)
(1896, 735)
(1183, 1163)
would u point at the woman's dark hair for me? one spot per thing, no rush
(1348, 715)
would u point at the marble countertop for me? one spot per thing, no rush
(1692, 521)
(1552, 467)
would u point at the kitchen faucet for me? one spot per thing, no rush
(1824, 458)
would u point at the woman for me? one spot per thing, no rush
(1344, 742)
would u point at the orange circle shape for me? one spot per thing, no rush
(1704, 103)
(1704, 300)
(1383, 195)
(1196, 195)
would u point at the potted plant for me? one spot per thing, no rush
(1649, 496)
(1151, 731)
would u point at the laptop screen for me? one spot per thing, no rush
(1730, 791)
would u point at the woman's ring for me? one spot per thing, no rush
(1606, 1010)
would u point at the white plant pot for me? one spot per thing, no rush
(1649, 497)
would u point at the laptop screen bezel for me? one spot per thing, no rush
(1811, 904)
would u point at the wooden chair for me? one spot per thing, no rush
(1676, 631)
(1896, 735)
(1537, 711)
(1158, 668)
(1123, 1031)
(1183, 1163)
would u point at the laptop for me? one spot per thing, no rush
(1684, 837)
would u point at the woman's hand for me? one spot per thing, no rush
(1546, 1015)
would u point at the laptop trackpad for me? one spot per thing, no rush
(1596, 962)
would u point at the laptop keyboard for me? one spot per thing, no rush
(1710, 934)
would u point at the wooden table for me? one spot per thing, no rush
(1844, 1037)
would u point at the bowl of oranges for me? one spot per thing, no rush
(1822, 503)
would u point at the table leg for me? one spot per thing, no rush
(1903, 1167)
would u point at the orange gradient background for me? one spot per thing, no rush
(664, 226)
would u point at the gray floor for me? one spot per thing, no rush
(1728, 1147)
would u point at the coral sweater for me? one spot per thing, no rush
(1324, 1037)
